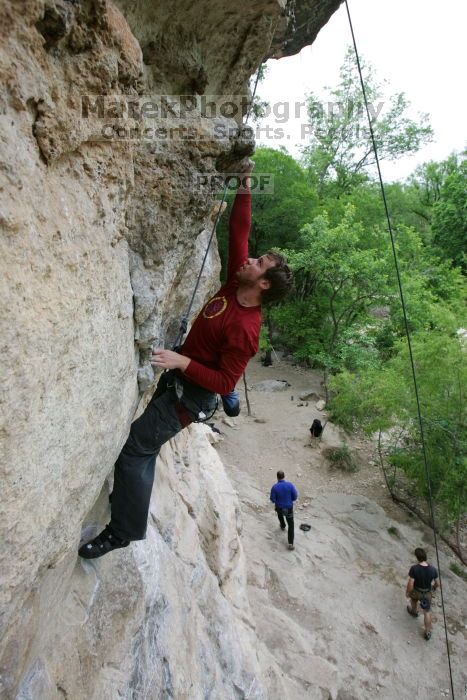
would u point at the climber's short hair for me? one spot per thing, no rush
(280, 277)
(280, 474)
(420, 554)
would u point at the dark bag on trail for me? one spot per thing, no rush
(316, 428)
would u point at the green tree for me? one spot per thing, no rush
(423, 189)
(381, 399)
(340, 144)
(403, 203)
(429, 178)
(434, 291)
(258, 106)
(449, 222)
(337, 280)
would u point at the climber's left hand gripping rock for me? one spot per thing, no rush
(168, 359)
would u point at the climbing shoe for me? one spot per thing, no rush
(291, 546)
(427, 636)
(102, 544)
(410, 611)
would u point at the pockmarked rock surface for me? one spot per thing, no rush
(165, 617)
(102, 226)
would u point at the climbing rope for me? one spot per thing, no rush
(407, 332)
(186, 316)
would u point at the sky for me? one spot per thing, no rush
(418, 45)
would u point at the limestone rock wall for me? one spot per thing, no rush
(99, 243)
(167, 617)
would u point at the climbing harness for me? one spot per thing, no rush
(194, 403)
(407, 332)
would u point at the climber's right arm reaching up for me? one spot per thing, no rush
(239, 226)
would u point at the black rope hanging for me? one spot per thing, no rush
(407, 332)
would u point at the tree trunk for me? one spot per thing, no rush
(267, 362)
(246, 394)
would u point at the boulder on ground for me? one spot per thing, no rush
(271, 385)
(308, 395)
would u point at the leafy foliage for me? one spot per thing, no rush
(258, 106)
(449, 222)
(382, 398)
(340, 145)
(341, 458)
(341, 278)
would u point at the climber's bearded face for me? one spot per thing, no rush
(253, 270)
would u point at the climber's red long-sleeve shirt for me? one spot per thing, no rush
(225, 334)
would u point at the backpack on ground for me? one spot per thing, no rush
(316, 428)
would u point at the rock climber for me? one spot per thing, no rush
(213, 357)
(283, 495)
(422, 581)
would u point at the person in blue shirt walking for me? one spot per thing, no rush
(283, 495)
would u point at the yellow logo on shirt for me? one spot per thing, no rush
(215, 307)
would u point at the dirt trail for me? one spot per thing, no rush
(331, 615)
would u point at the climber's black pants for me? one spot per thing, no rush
(288, 513)
(134, 469)
(163, 418)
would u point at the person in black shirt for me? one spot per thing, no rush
(422, 581)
